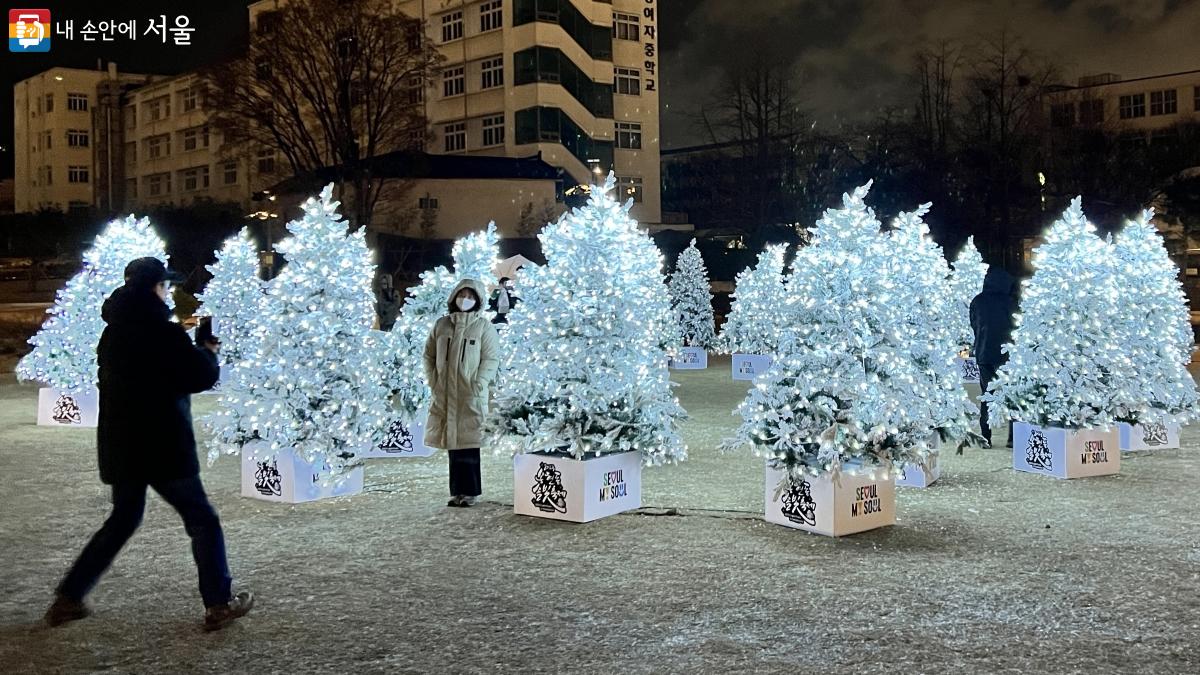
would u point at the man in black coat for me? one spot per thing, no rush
(148, 370)
(992, 322)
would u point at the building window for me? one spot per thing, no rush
(455, 137)
(625, 27)
(1163, 102)
(77, 102)
(493, 72)
(452, 26)
(195, 138)
(77, 138)
(1062, 115)
(49, 102)
(158, 146)
(629, 186)
(229, 173)
(1091, 112)
(627, 81)
(49, 140)
(454, 81)
(427, 202)
(1132, 106)
(77, 174)
(266, 160)
(262, 69)
(493, 131)
(158, 184)
(629, 135)
(47, 175)
(158, 109)
(491, 16)
(195, 178)
(416, 90)
(130, 116)
(190, 99)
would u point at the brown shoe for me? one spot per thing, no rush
(64, 610)
(216, 618)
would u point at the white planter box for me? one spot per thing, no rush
(749, 366)
(689, 358)
(1153, 436)
(285, 477)
(403, 440)
(917, 476)
(817, 504)
(57, 408)
(564, 488)
(968, 369)
(1066, 453)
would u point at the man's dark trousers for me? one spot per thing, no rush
(186, 496)
(987, 373)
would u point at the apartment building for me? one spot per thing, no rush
(1142, 108)
(574, 80)
(63, 132)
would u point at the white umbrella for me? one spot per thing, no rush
(509, 266)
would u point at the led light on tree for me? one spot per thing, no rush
(966, 282)
(758, 313)
(691, 299)
(234, 297)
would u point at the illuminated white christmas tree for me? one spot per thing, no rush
(1155, 329)
(234, 296)
(585, 370)
(475, 257)
(691, 299)
(758, 313)
(966, 281)
(1066, 360)
(310, 382)
(64, 350)
(842, 387)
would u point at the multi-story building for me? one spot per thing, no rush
(574, 80)
(62, 126)
(1142, 108)
(171, 156)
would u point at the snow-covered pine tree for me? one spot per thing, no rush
(842, 384)
(311, 383)
(1155, 329)
(1066, 359)
(585, 371)
(758, 313)
(691, 299)
(966, 281)
(234, 296)
(64, 350)
(475, 257)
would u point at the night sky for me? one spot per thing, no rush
(851, 55)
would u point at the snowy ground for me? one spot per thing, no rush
(991, 570)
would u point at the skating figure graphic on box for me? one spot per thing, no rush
(970, 370)
(548, 491)
(1154, 434)
(398, 438)
(267, 480)
(1037, 452)
(798, 504)
(66, 410)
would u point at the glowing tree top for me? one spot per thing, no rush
(1065, 361)
(585, 371)
(475, 257)
(310, 383)
(759, 301)
(1155, 328)
(966, 281)
(839, 395)
(64, 350)
(234, 296)
(691, 299)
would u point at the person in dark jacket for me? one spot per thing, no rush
(148, 370)
(503, 300)
(992, 322)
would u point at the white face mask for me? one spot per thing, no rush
(465, 304)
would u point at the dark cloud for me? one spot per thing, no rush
(853, 55)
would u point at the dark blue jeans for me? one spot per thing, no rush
(464, 473)
(187, 497)
(987, 373)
